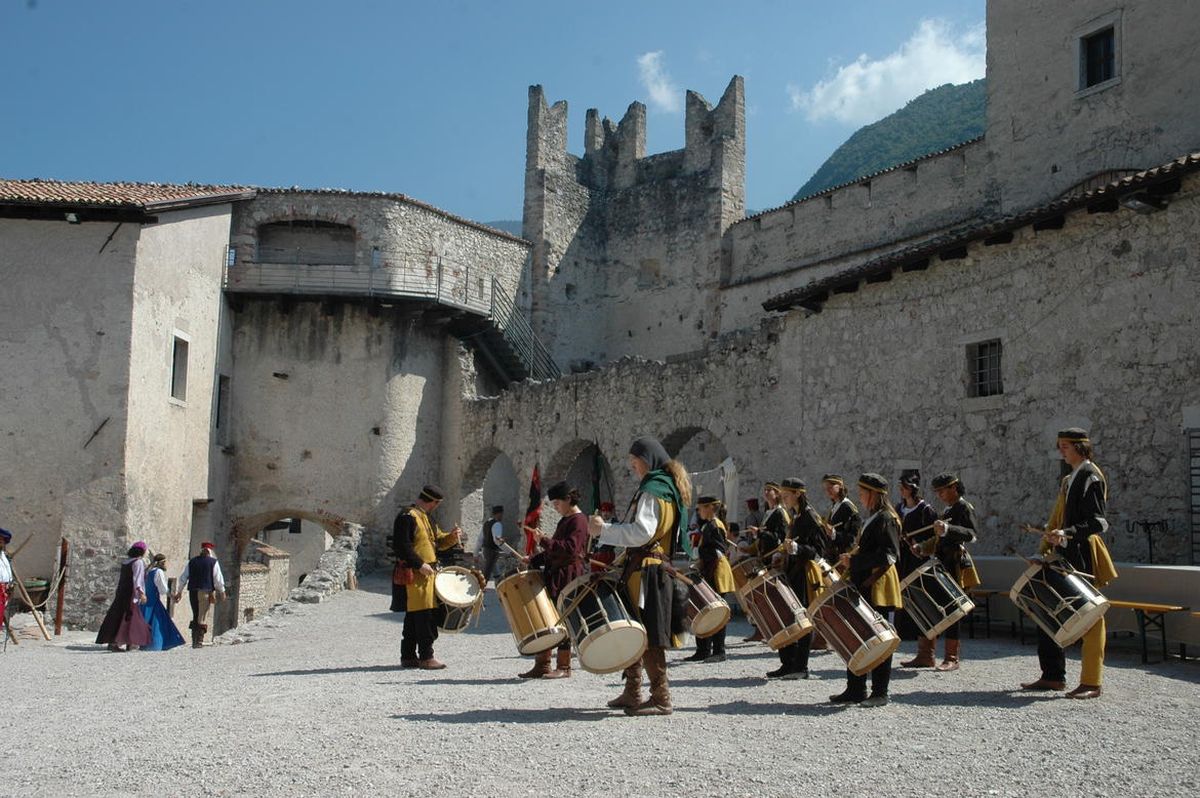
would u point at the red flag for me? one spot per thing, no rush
(533, 516)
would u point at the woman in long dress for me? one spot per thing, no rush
(124, 624)
(164, 634)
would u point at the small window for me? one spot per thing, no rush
(230, 257)
(179, 369)
(1098, 56)
(376, 258)
(222, 421)
(983, 369)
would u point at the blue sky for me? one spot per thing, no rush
(430, 99)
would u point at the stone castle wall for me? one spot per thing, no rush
(1090, 318)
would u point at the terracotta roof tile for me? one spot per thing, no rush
(148, 196)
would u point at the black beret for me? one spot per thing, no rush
(834, 478)
(794, 484)
(910, 476)
(432, 493)
(703, 500)
(945, 480)
(1073, 434)
(873, 482)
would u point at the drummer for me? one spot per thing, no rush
(417, 540)
(769, 534)
(915, 514)
(871, 569)
(656, 515)
(843, 518)
(560, 560)
(1074, 534)
(952, 532)
(714, 569)
(805, 542)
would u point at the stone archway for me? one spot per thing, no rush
(489, 480)
(709, 463)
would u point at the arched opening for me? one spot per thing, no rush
(585, 468)
(275, 550)
(490, 480)
(708, 462)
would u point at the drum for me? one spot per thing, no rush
(707, 612)
(535, 623)
(745, 570)
(1063, 604)
(461, 596)
(776, 611)
(861, 636)
(605, 633)
(933, 599)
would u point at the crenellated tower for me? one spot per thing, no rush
(627, 246)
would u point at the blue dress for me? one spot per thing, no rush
(164, 634)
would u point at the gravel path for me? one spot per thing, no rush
(318, 705)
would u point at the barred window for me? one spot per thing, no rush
(983, 369)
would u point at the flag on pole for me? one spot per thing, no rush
(533, 516)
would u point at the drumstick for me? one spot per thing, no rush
(516, 553)
(916, 532)
(1033, 530)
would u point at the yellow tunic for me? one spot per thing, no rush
(428, 540)
(662, 534)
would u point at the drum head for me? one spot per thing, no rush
(710, 620)
(613, 648)
(456, 586)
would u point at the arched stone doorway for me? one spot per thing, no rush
(490, 480)
(708, 462)
(273, 551)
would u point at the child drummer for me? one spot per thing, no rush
(714, 569)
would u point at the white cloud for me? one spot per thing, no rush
(663, 94)
(868, 90)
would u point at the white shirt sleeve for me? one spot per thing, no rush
(497, 532)
(160, 582)
(218, 578)
(640, 531)
(181, 582)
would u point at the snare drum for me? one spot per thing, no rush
(933, 599)
(605, 633)
(1063, 604)
(707, 612)
(776, 611)
(461, 596)
(535, 623)
(860, 635)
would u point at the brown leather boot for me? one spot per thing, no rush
(562, 665)
(925, 654)
(632, 695)
(660, 691)
(540, 669)
(950, 663)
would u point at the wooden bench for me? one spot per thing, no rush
(1151, 616)
(982, 597)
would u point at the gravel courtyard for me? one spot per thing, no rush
(317, 705)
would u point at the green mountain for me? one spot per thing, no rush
(938, 119)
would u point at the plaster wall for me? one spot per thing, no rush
(337, 414)
(170, 442)
(65, 332)
(1046, 135)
